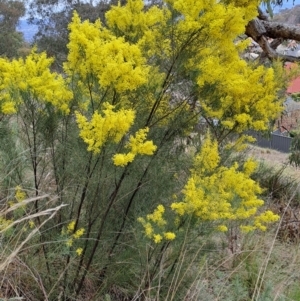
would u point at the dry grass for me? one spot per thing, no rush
(275, 159)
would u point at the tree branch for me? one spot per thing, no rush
(281, 30)
(259, 30)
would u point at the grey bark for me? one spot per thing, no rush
(260, 29)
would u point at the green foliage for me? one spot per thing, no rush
(10, 40)
(52, 35)
(295, 96)
(294, 157)
(276, 184)
(294, 294)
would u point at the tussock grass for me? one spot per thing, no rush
(16, 242)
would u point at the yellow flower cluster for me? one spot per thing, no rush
(31, 78)
(137, 145)
(79, 251)
(70, 231)
(94, 50)
(8, 107)
(78, 233)
(131, 20)
(116, 56)
(239, 95)
(217, 193)
(156, 221)
(111, 126)
(146, 27)
(212, 21)
(31, 224)
(4, 223)
(70, 227)
(123, 159)
(157, 216)
(264, 218)
(208, 158)
(252, 5)
(250, 103)
(19, 194)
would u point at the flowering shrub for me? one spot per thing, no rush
(215, 193)
(105, 138)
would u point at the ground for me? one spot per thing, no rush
(276, 159)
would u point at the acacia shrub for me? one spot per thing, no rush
(105, 137)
